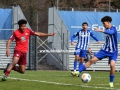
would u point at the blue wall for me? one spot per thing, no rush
(5, 23)
(74, 20)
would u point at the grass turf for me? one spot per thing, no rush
(57, 80)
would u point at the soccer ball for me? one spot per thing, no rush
(86, 77)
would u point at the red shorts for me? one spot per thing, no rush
(21, 56)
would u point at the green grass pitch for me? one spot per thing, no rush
(57, 80)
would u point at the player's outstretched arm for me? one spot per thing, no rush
(7, 47)
(95, 38)
(44, 34)
(105, 31)
(98, 30)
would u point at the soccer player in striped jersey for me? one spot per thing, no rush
(82, 45)
(110, 48)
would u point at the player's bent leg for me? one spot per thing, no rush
(14, 62)
(9, 68)
(22, 69)
(80, 64)
(89, 63)
(83, 56)
(112, 72)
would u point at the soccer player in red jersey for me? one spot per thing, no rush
(21, 37)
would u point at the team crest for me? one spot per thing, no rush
(23, 38)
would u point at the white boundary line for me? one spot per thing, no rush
(56, 75)
(57, 83)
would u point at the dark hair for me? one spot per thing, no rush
(106, 18)
(85, 23)
(22, 21)
(89, 48)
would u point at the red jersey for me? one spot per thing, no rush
(21, 39)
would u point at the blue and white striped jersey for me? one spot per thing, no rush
(83, 39)
(111, 40)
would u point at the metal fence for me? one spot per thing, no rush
(55, 45)
(88, 9)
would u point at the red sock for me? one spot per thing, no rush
(7, 73)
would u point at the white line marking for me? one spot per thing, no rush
(57, 83)
(55, 75)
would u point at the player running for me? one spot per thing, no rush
(21, 37)
(110, 48)
(82, 45)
